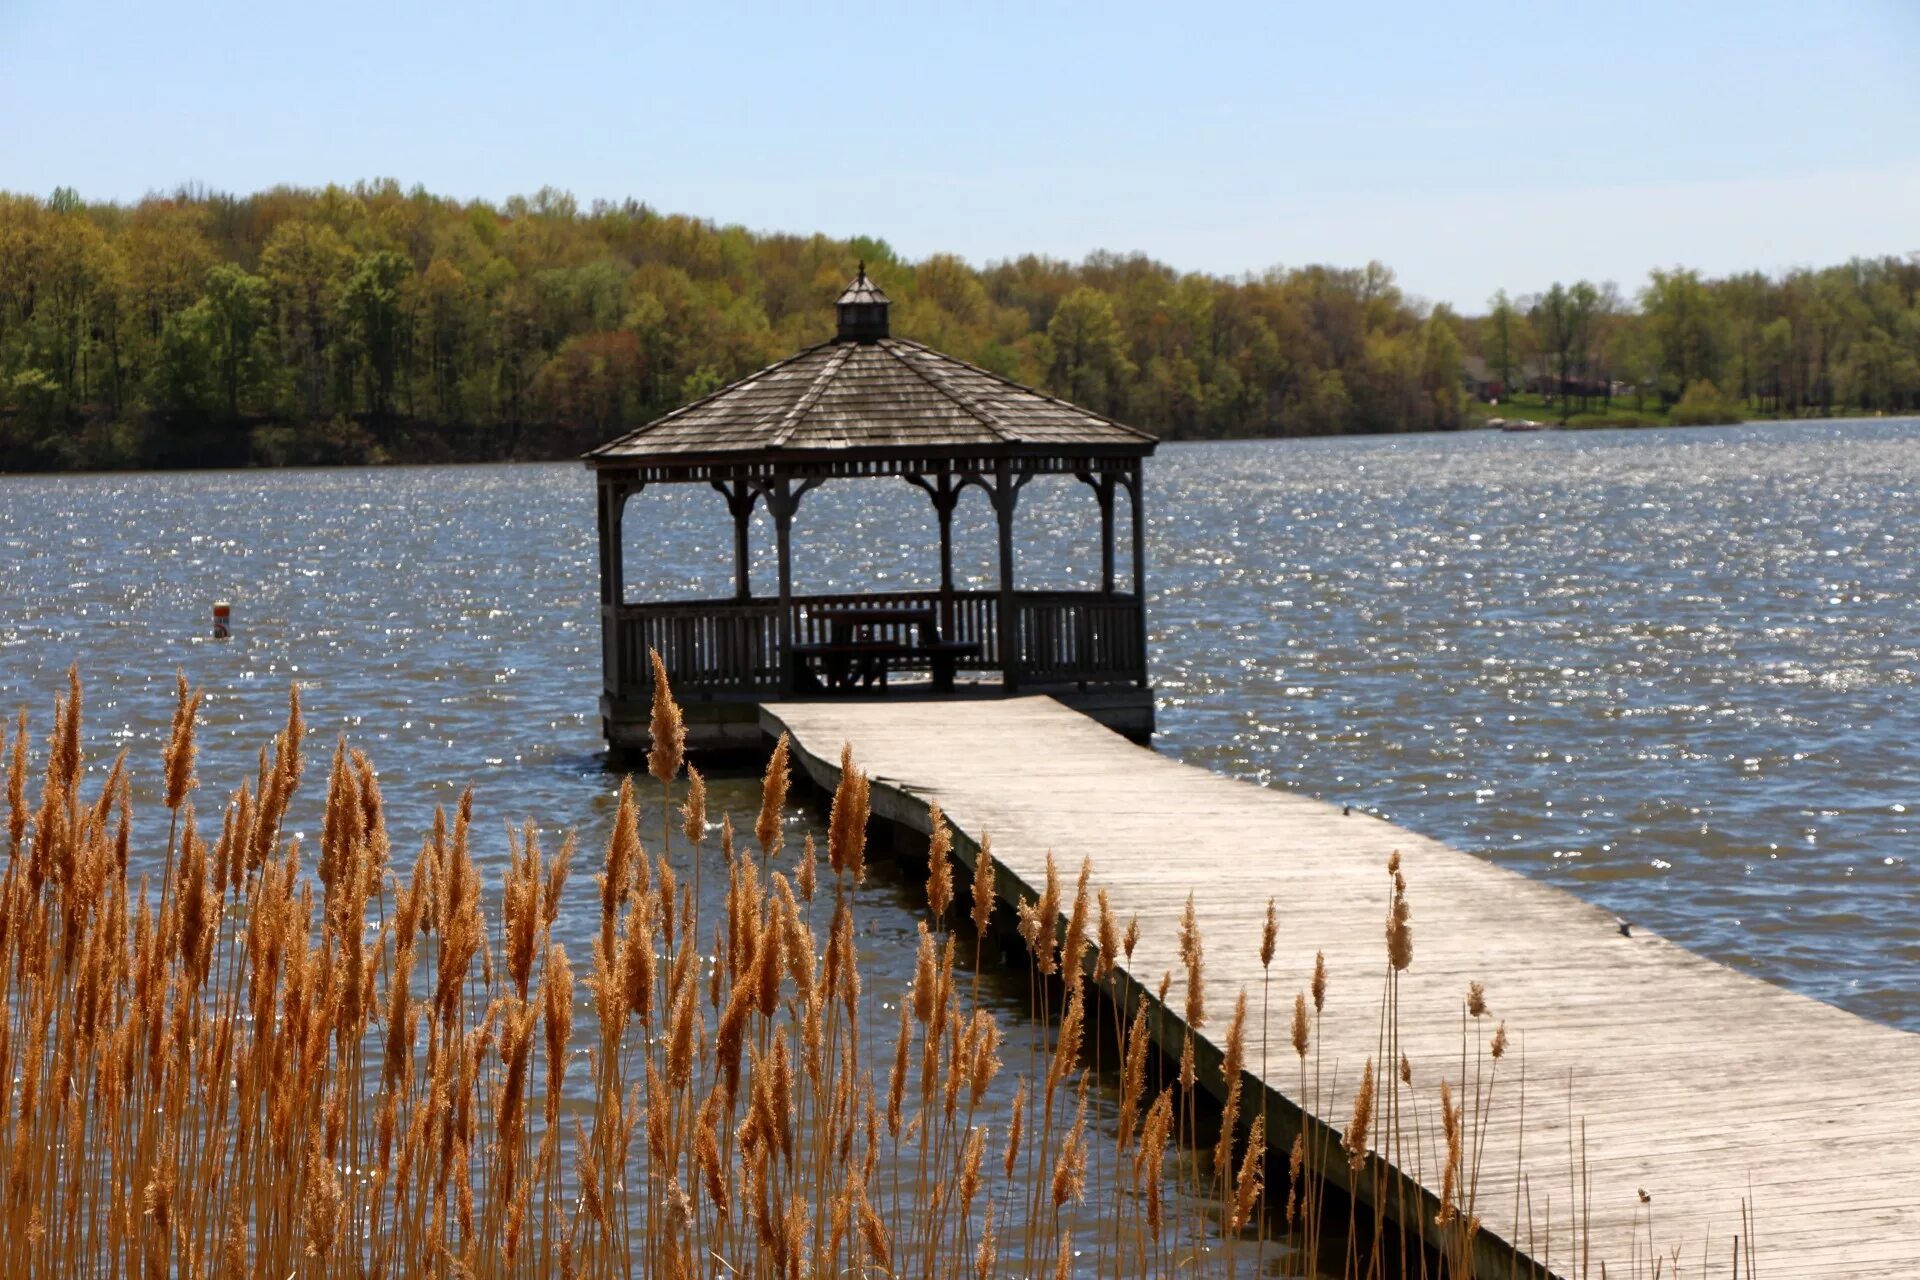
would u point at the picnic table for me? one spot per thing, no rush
(865, 642)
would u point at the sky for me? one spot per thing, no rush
(1470, 147)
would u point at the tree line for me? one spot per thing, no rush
(375, 323)
(1843, 339)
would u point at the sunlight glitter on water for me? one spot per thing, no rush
(1673, 671)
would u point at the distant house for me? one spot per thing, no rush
(1532, 375)
(1479, 381)
(1544, 383)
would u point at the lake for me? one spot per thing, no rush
(1673, 671)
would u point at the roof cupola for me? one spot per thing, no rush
(862, 310)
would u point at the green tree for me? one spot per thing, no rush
(1583, 321)
(1555, 319)
(1502, 341)
(1440, 369)
(1774, 360)
(236, 306)
(593, 386)
(306, 264)
(954, 287)
(34, 435)
(374, 320)
(183, 380)
(1086, 352)
(448, 320)
(73, 265)
(1702, 405)
(1636, 359)
(703, 381)
(1687, 328)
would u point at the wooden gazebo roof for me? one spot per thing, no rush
(864, 392)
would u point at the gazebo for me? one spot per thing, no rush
(868, 404)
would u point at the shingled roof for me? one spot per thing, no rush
(865, 393)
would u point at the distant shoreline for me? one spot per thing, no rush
(380, 324)
(1580, 422)
(1534, 409)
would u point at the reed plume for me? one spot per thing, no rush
(1356, 1138)
(983, 892)
(939, 862)
(1233, 1065)
(1073, 947)
(693, 811)
(1247, 1186)
(667, 728)
(17, 789)
(1108, 941)
(1399, 927)
(1451, 1123)
(178, 758)
(847, 821)
(1193, 956)
(767, 829)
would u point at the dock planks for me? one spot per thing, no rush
(1695, 1083)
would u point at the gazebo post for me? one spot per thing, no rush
(609, 543)
(1006, 495)
(943, 503)
(1139, 566)
(614, 491)
(740, 498)
(1104, 490)
(783, 500)
(742, 560)
(1102, 485)
(945, 494)
(780, 503)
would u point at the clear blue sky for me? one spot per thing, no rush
(1468, 146)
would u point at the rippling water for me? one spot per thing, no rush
(1674, 671)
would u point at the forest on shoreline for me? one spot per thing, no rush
(382, 324)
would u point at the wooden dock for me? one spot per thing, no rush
(1698, 1085)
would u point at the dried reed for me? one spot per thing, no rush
(275, 1066)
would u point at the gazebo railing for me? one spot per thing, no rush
(728, 646)
(1074, 637)
(733, 648)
